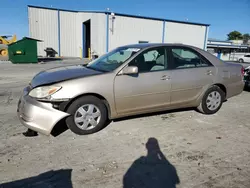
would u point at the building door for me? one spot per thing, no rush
(86, 38)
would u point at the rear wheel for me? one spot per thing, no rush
(241, 60)
(88, 115)
(212, 100)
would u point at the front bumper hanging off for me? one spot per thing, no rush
(36, 115)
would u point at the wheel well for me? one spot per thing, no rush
(89, 94)
(61, 126)
(222, 87)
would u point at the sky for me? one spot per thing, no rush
(223, 15)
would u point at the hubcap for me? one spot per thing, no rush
(87, 117)
(213, 100)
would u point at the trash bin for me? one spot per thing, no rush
(23, 51)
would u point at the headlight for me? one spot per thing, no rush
(44, 91)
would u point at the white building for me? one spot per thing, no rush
(227, 50)
(72, 33)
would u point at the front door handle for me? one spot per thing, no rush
(165, 77)
(209, 72)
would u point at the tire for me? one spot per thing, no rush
(246, 87)
(87, 103)
(241, 60)
(207, 108)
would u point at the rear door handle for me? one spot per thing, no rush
(165, 77)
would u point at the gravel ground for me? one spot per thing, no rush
(197, 151)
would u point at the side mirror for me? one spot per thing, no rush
(129, 70)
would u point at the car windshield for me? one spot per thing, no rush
(113, 59)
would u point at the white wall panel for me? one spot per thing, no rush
(71, 32)
(43, 25)
(68, 34)
(128, 30)
(185, 33)
(98, 33)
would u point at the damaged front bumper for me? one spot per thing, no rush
(36, 115)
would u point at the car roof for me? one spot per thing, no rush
(146, 45)
(210, 57)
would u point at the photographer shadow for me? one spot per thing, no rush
(153, 170)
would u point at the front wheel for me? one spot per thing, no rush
(212, 100)
(88, 115)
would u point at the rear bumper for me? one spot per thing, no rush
(36, 115)
(235, 88)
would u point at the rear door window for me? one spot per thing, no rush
(183, 58)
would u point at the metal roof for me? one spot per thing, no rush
(122, 14)
(216, 40)
(227, 46)
(24, 38)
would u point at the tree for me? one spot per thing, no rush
(234, 35)
(246, 38)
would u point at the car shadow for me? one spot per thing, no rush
(152, 170)
(48, 59)
(155, 114)
(56, 179)
(59, 128)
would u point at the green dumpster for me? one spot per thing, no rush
(23, 51)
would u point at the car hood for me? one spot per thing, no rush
(59, 74)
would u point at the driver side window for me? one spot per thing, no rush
(150, 60)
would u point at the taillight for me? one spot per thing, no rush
(242, 71)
